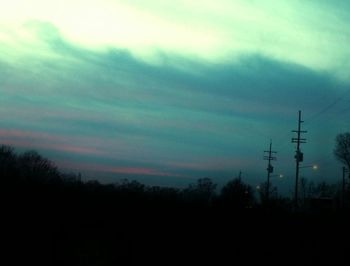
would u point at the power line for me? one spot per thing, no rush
(328, 107)
(320, 113)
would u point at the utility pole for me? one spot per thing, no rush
(269, 168)
(240, 176)
(343, 186)
(343, 189)
(299, 156)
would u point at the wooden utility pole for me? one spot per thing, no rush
(240, 176)
(269, 168)
(299, 157)
(344, 185)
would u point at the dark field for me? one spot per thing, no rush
(69, 228)
(50, 218)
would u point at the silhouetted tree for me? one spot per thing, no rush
(311, 190)
(276, 202)
(34, 167)
(342, 148)
(303, 187)
(8, 163)
(263, 193)
(163, 193)
(202, 191)
(133, 186)
(6, 152)
(71, 178)
(237, 194)
(325, 190)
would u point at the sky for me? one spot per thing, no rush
(167, 92)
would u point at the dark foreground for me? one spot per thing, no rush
(50, 218)
(68, 230)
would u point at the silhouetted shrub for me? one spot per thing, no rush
(237, 194)
(201, 192)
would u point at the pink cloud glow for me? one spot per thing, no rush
(116, 169)
(55, 147)
(212, 164)
(40, 140)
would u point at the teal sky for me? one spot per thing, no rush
(171, 91)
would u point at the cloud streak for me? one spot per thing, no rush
(311, 34)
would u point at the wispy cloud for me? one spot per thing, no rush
(311, 34)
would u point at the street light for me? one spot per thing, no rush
(314, 166)
(280, 176)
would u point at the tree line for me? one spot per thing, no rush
(55, 218)
(29, 171)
